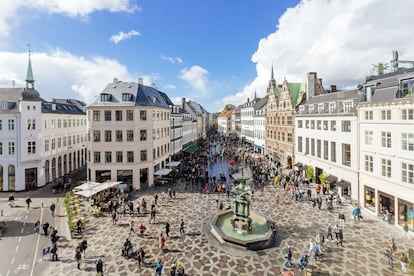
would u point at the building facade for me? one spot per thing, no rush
(128, 134)
(260, 125)
(386, 143)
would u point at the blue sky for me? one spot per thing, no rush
(214, 52)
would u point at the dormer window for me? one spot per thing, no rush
(332, 107)
(301, 109)
(311, 108)
(127, 97)
(348, 106)
(106, 97)
(320, 108)
(406, 88)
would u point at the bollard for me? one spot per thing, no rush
(42, 205)
(1, 212)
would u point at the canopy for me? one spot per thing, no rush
(173, 164)
(344, 184)
(331, 178)
(191, 149)
(87, 186)
(98, 188)
(163, 172)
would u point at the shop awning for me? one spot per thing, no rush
(98, 188)
(298, 165)
(191, 149)
(303, 168)
(331, 178)
(257, 146)
(163, 172)
(173, 164)
(343, 184)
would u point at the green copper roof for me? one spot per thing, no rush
(29, 77)
(296, 90)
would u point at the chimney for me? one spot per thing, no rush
(311, 82)
(53, 106)
(183, 102)
(333, 88)
(115, 80)
(140, 81)
(153, 85)
(248, 100)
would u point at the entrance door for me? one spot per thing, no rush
(30, 178)
(318, 172)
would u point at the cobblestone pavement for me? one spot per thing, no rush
(361, 254)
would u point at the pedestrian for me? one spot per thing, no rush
(28, 201)
(180, 269)
(84, 246)
(142, 230)
(54, 253)
(389, 255)
(329, 232)
(152, 215)
(403, 262)
(52, 209)
(167, 229)
(78, 256)
(340, 238)
(161, 240)
(36, 227)
(155, 199)
(79, 226)
(131, 228)
(341, 218)
(277, 197)
(99, 267)
(158, 268)
(182, 227)
(405, 231)
(288, 256)
(45, 227)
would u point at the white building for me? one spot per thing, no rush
(199, 114)
(189, 130)
(260, 125)
(224, 122)
(176, 130)
(40, 141)
(247, 114)
(327, 138)
(129, 134)
(386, 142)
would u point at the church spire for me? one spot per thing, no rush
(29, 77)
(272, 76)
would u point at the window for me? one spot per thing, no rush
(106, 97)
(386, 167)
(143, 115)
(144, 155)
(369, 163)
(130, 156)
(407, 114)
(108, 115)
(130, 136)
(300, 123)
(319, 124)
(318, 148)
(96, 157)
(346, 155)
(348, 106)
(325, 150)
(1, 125)
(346, 126)
(307, 123)
(143, 135)
(108, 157)
(321, 107)
(332, 107)
(130, 115)
(119, 135)
(96, 136)
(407, 141)
(311, 108)
(11, 148)
(386, 139)
(96, 116)
(53, 143)
(312, 147)
(406, 88)
(307, 146)
(369, 115)
(369, 137)
(64, 141)
(126, 97)
(289, 137)
(46, 145)
(325, 125)
(59, 142)
(29, 124)
(108, 136)
(299, 143)
(118, 115)
(1, 148)
(386, 114)
(333, 125)
(312, 124)
(31, 147)
(407, 173)
(119, 157)
(333, 151)
(11, 124)
(289, 120)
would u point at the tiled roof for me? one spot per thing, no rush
(336, 96)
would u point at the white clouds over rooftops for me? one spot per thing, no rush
(340, 40)
(196, 77)
(123, 36)
(173, 60)
(72, 8)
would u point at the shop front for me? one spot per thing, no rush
(369, 198)
(344, 188)
(405, 213)
(386, 202)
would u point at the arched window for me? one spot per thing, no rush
(47, 171)
(59, 166)
(12, 178)
(65, 164)
(53, 168)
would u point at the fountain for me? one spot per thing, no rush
(240, 227)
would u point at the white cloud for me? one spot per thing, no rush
(196, 78)
(61, 74)
(123, 36)
(340, 40)
(73, 8)
(173, 60)
(170, 86)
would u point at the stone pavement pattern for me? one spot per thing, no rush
(201, 254)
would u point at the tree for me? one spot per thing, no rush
(229, 107)
(309, 173)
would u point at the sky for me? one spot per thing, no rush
(214, 52)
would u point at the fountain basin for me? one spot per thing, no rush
(261, 235)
